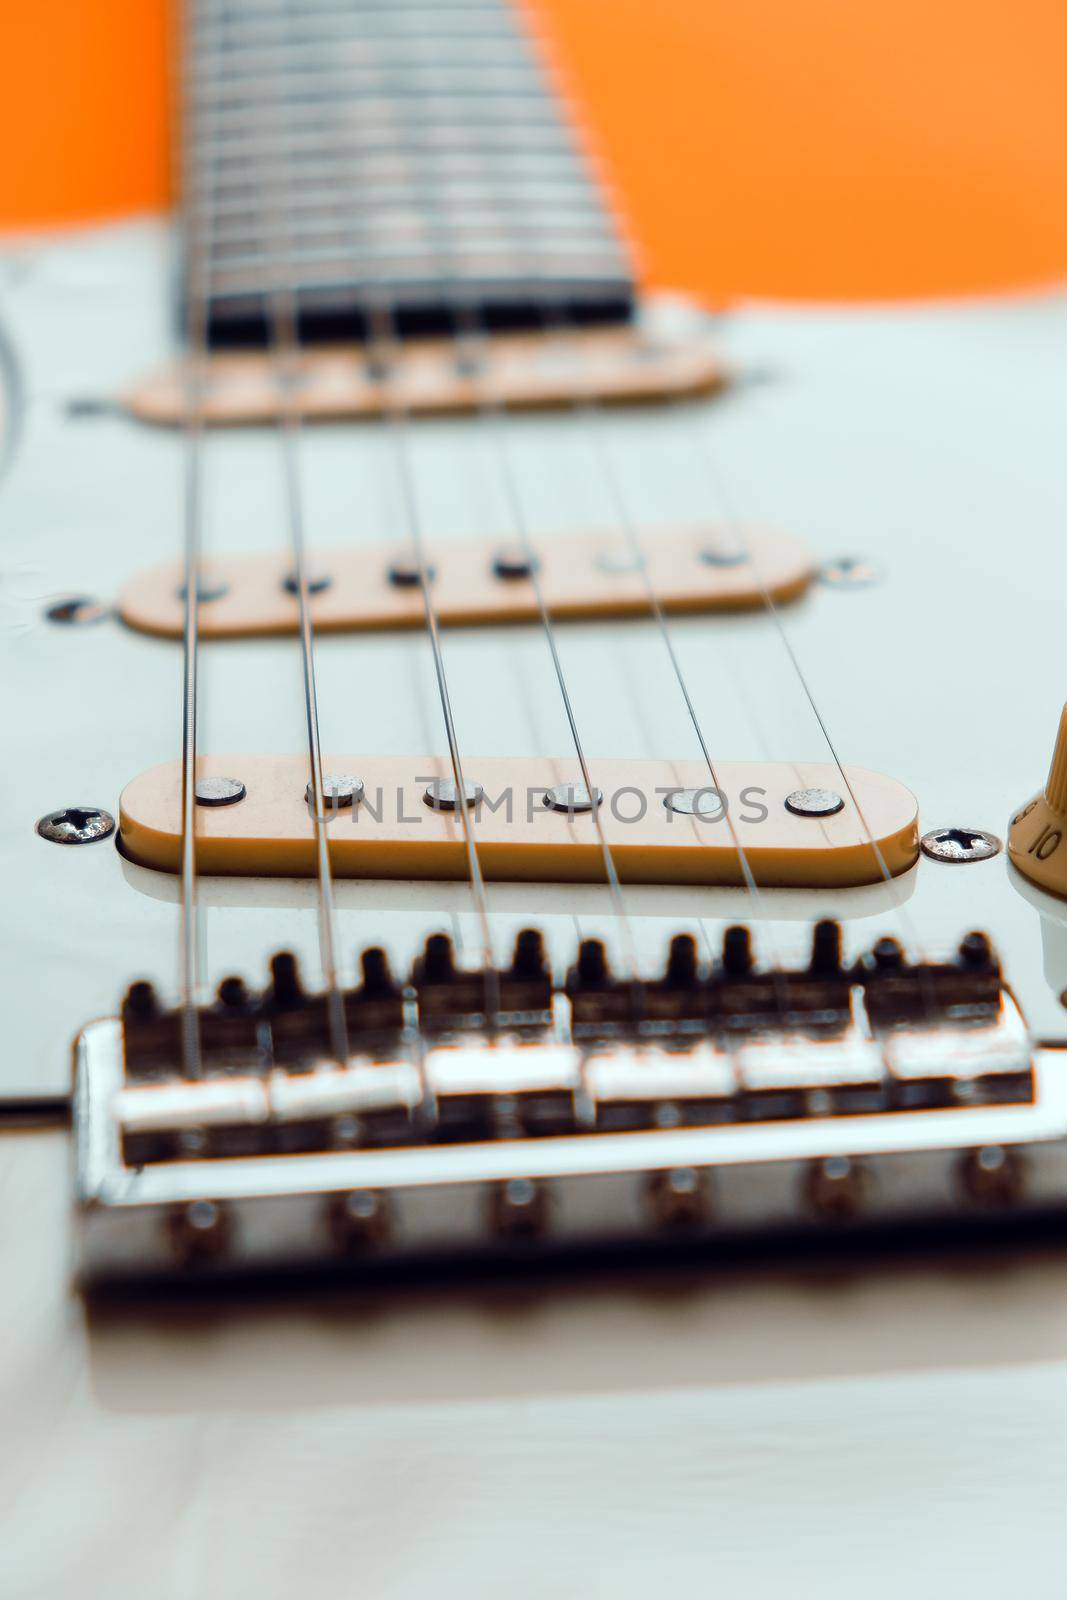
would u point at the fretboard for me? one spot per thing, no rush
(406, 154)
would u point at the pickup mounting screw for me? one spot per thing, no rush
(219, 791)
(960, 844)
(77, 825)
(849, 572)
(78, 609)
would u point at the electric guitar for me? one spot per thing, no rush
(511, 779)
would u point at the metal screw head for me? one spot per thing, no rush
(79, 609)
(680, 1197)
(849, 572)
(314, 584)
(442, 795)
(405, 573)
(359, 1220)
(518, 1208)
(992, 1175)
(716, 556)
(219, 791)
(80, 406)
(836, 1187)
(960, 844)
(814, 802)
(573, 797)
(619, 561)
(77, 825)
(708, 805)
(512, 564)
(198, 1231)
(338, 789)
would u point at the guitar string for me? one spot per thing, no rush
(625, 522)
(471, 324)
(736, 530)
(397, 422)
(736, 527)
(283, 349)
(657, 612)
(381, 353)
(489, 413)
(585, 407)
(283, 328)
(198, 243)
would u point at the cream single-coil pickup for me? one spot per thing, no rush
(798, 824)
(650, 360)
(717, 1098)
(584, 575)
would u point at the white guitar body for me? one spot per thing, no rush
(761, 1430)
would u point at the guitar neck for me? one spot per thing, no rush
(385, 155)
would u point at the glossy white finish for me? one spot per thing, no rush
(897, 1429)
(926, 440)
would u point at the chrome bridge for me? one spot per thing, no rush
(494, 1111)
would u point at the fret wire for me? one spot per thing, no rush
(376, 115)
(396, 15)
(447, 137)
(477, 252)
(429, 51)
(565, 195)
(224, 114)
(361, 8)
(499, 162)
(293, 86)
(383, 222)
(327, 28)
(239, 95)
(493, 253)
(320, 253)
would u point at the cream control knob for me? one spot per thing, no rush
(1037, 838)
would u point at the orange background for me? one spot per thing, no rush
(860, 148)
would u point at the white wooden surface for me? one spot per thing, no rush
(883, 1431)
(899, 1431)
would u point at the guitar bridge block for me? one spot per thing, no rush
(912, 1069)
